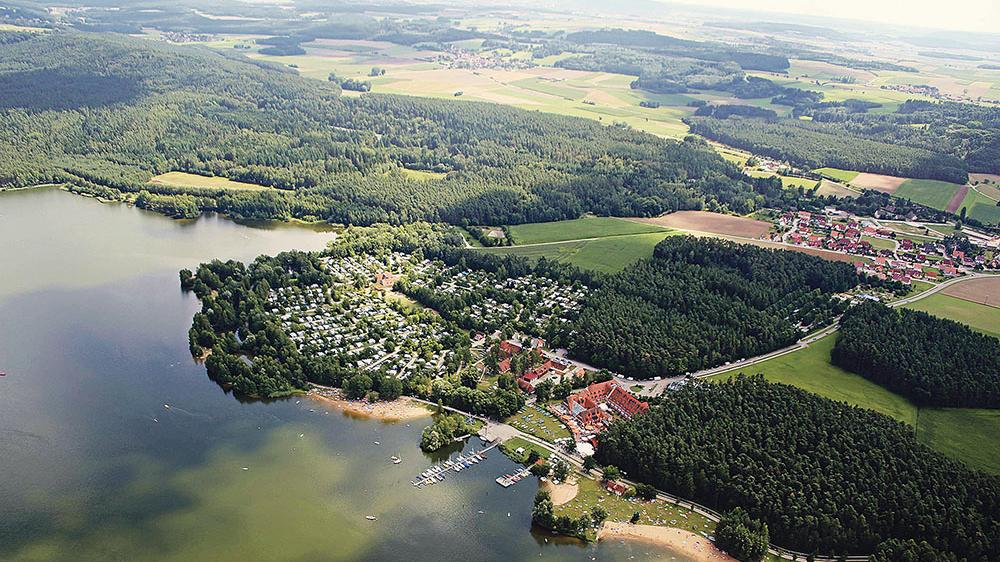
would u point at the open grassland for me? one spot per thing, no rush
(979, 317)
(194, 181)
(810, 369)
(880, 243)
(834, 189)
(539, 422)
(714, 223)
(787, 182)
(969, 434)
(422, 175)
(980, 203)
(587, 227)
(846, 176)
(932, 193)
(607, 255)
(657, 512)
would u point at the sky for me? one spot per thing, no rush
(960, 15)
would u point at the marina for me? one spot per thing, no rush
(437, 473)
(508, 480)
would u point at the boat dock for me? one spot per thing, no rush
(508, 480)
(436, 473)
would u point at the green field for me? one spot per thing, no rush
(607, 255)
(787, 182)
(979, 317)
(981, 207)
(510, 447)
(186, 180)
(538, 422)
(810, 369)
(844, 176)
(932, 193)
(880, 243)
(587, 227)
(969, 434)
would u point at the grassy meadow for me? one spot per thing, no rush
(587, 227)
(607, 255)
(194, 181)
(979, 317)
(845, 176)
(932, 193)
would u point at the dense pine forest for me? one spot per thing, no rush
(150, 108)
(700, 302)
(823, 476)
(931, 361)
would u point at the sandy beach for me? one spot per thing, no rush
(401, 409)
(561, 493)
(684, 542)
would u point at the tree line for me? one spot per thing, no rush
(931, 361)
(700, 302)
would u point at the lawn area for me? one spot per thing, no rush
(844, 176)
(932, 193)
(880, 243)
(810, 369)
(538, 422)
(510, 447)
(607, 255)
(969, 434)
(186, 180)
(918, 287)
(587, 227)
(656, 512)
(979, 317)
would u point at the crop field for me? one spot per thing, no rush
(980, 203)
(979, 317)
(984, 290)
(878, 182)
(184, 179)
(587, 227)
(810, 369)
(933, 193)
(787, 182)
(969, 434)
(846, 176)
(714, 223)
(835, 189)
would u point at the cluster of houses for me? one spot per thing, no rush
(495, 302)
(907, 260)
(456, 57)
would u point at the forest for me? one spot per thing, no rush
(700, 302)
(816, 144)
(326, 157)
(931, 361)
(825, 477)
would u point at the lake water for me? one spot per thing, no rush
(114, 445)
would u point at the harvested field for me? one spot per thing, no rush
(992, 178)
(878, 182)
(956, 199)
(832, 188)
(715, 223)
(983, 291)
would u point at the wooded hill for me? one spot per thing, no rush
(825, 477)
(931, 361)
(106, 113)
(700, 302)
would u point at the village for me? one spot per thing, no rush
(885, 251)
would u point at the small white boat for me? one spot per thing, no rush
(370, 517)
(395, 459)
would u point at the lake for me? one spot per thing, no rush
(114, 445)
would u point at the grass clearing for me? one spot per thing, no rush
(538, 422)
(194, 181)
(656, 512)
(510, 447)
(933, 193)
(968, 434)
(607, 255)
(810, 369)
(844, 176)
(587, 227)
(980, 317)
(422, 175)
(880, 243)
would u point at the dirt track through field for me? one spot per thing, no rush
(878, 182)
(715, 223)
(985, 290)
(956, 200)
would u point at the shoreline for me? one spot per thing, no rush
(401, 409)
(683, 542)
